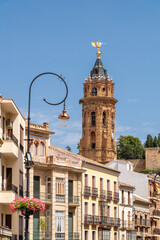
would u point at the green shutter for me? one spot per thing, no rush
(70, 225)
(36, 226)
(36, 187)
(70, 191)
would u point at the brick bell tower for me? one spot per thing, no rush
(98, 114)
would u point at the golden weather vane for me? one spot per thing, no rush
(97, 45)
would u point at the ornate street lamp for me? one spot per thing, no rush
(63, 122)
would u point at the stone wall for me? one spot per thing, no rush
(138, 164)
(152, 158)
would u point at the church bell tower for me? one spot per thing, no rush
(98, 114)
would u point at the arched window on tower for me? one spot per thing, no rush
(104, 119)
(94, 91)
(93, 140)
(36, 144)
(93, 118)
(42, 149)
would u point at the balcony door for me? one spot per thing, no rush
(70, 190)
(35, 226)
(70, 225)
(9, 221)
(2, 177)
(9, 178)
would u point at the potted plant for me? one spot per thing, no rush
(27, 205)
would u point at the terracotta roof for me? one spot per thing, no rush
(84, 159)
(138, 198)
(126, 185)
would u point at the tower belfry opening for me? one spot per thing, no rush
(98, 114)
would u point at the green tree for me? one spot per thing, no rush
(149, 141)
(155, 142)
(129, 147)
(68, 148)
(158, 139)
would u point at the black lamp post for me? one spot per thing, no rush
(63, 119)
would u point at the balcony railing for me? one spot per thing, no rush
(126, 224)
(87, 219)
(156, 231)
(73, 236)
(103, 220)
(116, 196)
(20, 190)
(74, 200)
(42, 236)
(60, 198)
(116, 222)
(94, 192)
(12, 187)
(59, 236)
(156, 213)
(87, 191)
(13, 138)
(109, 195)
(95, 220)
(102, 194)
(44, 197)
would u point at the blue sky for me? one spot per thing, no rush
(49, 35)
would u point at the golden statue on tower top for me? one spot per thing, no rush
(97, 45)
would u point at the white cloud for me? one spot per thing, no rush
(133, 100)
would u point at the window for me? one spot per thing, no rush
(36, 148)
(48, 221)
(115, 236)
(2, 177)
(93, 182)
(21, 226)
(108, 211)
(86, 208)
(129, 200)
(93, 118)
(93, 140)
(94, 91)
(108, 185)
(48, 186)
(59, 222)
(93, 209)
(115, 187)
(21, 183)
(21, 137)
(60, 190)
(86, 235)
(9, 221)
(42, 149)
(93, 235)
(1, 219)
(122, 196)
(104, 119)
(101, 185)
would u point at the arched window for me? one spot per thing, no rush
(94, 91)
(42, 149)
(93, 118)
(31, 147)
(104, 119)
(36, 148)
(93, 140)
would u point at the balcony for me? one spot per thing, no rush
(156, 231)
(9, 194)
(45, 197)
(102, 194)
(94, 192)
(156, 213)
(116, 197)
(140, 222)
(60, 236)
(126, 225)
(41, 236)
(5, 231)
(107, 221)
(109, 195)
(116, 222)
(73, 236)
(87, 219)
(73, 201)
(95, 220)
(10, 147)
(21, 147)
(87, 191)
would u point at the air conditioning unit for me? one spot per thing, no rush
(9, 123)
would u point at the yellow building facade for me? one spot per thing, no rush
(100, 198)
(12, 126)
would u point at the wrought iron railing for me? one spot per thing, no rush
(12, 137)
(21, 147)
(156, 231)
(156, 213)
(109, 195)
(95, 220)
(87, 219)
(73, 236)
(87, 190)
(102, 194)
(116, 196)
(12, 187)
(108, 221)
(59, 236)
(94, 192)
(73, 199)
